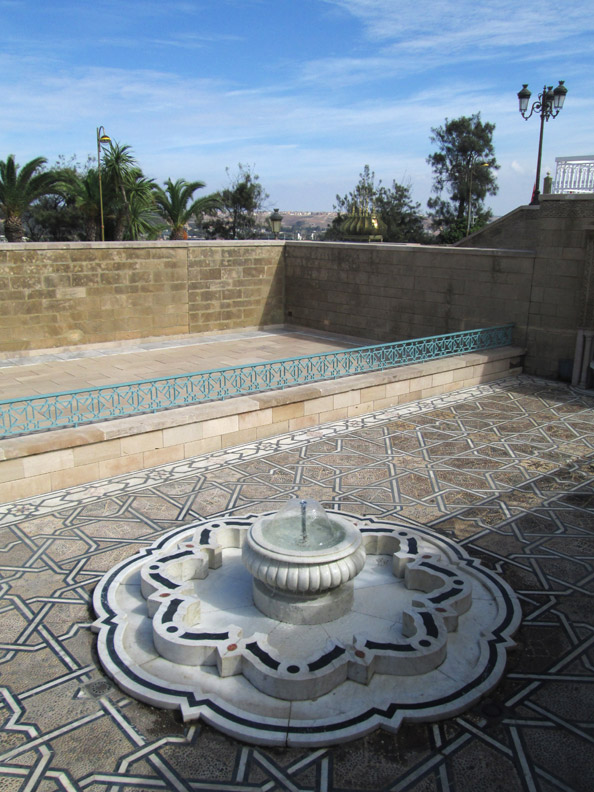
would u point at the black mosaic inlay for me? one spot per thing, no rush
(389, 647)
(263, 656)
(436, 599)
(326, 659)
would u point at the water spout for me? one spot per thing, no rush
(303, 521)
(302, 524)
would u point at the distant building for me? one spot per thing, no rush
(574, 175)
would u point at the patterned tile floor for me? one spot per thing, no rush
(505, 468)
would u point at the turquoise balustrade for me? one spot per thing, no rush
(89, 405)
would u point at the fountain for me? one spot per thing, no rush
(302, 562)
(304, 627)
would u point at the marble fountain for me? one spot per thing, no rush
(304, 627)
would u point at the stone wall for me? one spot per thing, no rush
(560, 231)
(60, 294)
(386, 292)
(534, 268)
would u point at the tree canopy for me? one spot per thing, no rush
(72, 214)
(128, 201)
(394, 205)
(62, 203)
(464, 168)
(176, 207)
(238, 206)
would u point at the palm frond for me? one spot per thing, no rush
(175, 203)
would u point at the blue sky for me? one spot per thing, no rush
(306, 91)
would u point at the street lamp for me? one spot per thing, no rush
(275, 221)
(548, 105)
(471, 168)
(102, 138)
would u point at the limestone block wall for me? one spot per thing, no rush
(516, 230)
(534, 267)
(388, 292)
(233, 285)
(561, 233)
(60, 294)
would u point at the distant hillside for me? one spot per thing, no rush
(310, 221)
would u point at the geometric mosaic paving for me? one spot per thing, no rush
(506, 469)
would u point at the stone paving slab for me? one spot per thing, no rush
(506, 469)
(110, 364)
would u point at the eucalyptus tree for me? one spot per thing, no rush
(176, 206)
(464, 168)
(19, 188)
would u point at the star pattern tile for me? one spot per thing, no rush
(507, 469)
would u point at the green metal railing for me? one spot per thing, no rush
(89, 405)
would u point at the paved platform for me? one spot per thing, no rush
(109, 364)
(506, 469)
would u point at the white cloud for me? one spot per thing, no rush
(402, 71)
(293, 138)
(411, 38)
(489, 23)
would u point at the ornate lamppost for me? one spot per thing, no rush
(275, 220)
(548, 105)
(102, 138)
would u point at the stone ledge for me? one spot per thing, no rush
(44, 462)
(168, 244)
(412, 246)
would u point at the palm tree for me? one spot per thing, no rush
(143, 220)
(176, 206)
(18, 190)
(120, 169)
(85, 190)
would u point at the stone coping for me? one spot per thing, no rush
(247, 243)
(11, 448)
(48, 461)
(446, 249)
(164, 243)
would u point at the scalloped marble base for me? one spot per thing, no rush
(424, 638)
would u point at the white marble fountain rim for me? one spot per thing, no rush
(347, 546)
